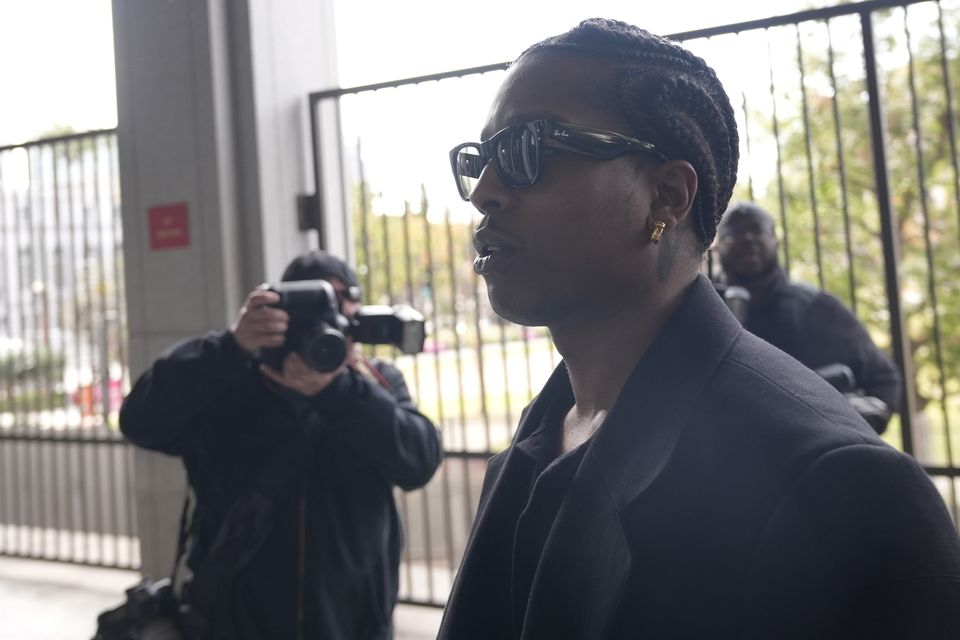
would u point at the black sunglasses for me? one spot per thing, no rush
(517, 151)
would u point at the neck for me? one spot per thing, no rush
(601, 350)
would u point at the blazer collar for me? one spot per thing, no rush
(586, 559)
(635, 441)
(631, 448)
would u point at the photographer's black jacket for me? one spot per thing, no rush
(331, 557)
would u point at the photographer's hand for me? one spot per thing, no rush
(258, 324)
(300, 377)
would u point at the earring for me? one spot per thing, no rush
(657, 232)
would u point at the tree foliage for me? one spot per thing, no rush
(824, 191)
(424, 258)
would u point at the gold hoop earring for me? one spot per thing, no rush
(657, 231)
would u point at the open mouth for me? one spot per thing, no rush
(486, 250)
(493, 249)
(489, 260)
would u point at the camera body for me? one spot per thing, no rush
(151, 608)
(874, 410)
(319, 333)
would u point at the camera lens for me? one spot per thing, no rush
(324, 350)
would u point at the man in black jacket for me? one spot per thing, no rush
(809, 324)
(295, 532)
(676, 477)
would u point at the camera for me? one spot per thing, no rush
(151, 607)
(318, 332)
(874, 410)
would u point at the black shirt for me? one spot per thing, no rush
(549, 479)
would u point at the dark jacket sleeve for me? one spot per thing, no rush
(870, 551)
(164, 411)
(836, 328)
(382, 425)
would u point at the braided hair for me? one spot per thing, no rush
(670, 97)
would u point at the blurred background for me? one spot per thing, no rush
(158, 160)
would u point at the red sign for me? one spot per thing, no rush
(169, 227)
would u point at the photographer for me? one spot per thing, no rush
(294, 533)
(810, 325)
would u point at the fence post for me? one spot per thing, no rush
(889, 235)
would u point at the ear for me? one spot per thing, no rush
(676, 184)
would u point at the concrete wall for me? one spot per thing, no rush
(212, 103)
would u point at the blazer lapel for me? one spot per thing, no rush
(479, 586)
(586, 560)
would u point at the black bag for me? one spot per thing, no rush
(151, 612)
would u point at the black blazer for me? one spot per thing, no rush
(730, 493)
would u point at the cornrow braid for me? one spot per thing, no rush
(670, 97)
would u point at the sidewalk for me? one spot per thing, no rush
(42, 600)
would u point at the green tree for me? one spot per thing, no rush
(829, 199)
(423, 258)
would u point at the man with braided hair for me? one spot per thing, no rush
(295, 532)
(676, 477)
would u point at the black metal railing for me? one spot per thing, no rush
(848, 135)
(66, 491)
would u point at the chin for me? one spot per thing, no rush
(508, 304)
(514, 306)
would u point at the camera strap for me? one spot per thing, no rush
(183, 535)
(368, 370)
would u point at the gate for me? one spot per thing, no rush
(861, 174)
(848, 127)
(66, 489)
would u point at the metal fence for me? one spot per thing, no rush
(66, 490)
(848, 135)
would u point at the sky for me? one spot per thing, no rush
(56, 67)
(56, 56)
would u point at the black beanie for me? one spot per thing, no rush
(319, 265)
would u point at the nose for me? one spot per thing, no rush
(490, 194)
(741, 238)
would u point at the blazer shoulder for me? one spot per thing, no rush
(765, 397)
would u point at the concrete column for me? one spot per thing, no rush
(214, 148)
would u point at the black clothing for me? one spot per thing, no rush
(818, 330)
(550, 477)
(730, 493)
(328, 569)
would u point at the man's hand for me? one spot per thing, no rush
(874, 410)
(258, 324)
(300, 377)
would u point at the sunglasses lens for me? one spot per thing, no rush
(467, 166)
(515, 152)
(516, 156)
